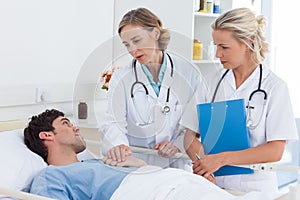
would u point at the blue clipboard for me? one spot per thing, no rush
(223, 128)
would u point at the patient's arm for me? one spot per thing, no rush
(131, 161)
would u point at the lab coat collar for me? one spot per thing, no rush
(255, 74)
(253, 77)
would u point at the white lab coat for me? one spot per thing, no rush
(277, 122)
(139, 121)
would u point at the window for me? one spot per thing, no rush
(283, 35)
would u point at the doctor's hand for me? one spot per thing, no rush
(119, 153)
(166, 149)
(207, 165)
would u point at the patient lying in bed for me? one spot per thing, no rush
(57, 141)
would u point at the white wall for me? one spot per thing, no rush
(41, 38)
(61, 48)
(44, 44)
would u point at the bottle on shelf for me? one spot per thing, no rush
(197, 50)
(203, 6)
(82, 110)
(210, 6)
(216, 9)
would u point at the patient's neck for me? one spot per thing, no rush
(61, 158)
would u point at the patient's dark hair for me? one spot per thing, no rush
(37, 124)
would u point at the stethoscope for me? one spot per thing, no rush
(165, 108)
(250, 123)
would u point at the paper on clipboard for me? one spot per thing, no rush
(223, 128)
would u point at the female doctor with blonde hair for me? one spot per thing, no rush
(147, 98)
(241, 48)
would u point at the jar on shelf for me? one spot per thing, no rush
(197, 50)
(82, 110)
(209, 6)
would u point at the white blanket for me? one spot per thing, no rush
(154, 183)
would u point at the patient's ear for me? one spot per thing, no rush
(46, 135)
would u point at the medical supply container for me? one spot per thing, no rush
(82, 110)
(217, 6)
(197, 50)
(203, 5)
(209, 6)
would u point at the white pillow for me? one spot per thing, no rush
(18, 164)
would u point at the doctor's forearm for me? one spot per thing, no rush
(192, 144)
(270, 152)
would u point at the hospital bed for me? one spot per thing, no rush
(19, 165)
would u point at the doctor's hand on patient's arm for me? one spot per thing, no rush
(119, 153)
(166, 149)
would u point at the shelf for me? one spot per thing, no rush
(206, 61)
(209, 15)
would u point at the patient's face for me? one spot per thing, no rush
(68, 135)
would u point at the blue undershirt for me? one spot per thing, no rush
(156, 86)
(82, 180)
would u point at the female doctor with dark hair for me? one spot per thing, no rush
(146, 99)
(241, 48)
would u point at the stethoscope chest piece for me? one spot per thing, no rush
(165, 109)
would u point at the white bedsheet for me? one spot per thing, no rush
(169, 184)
